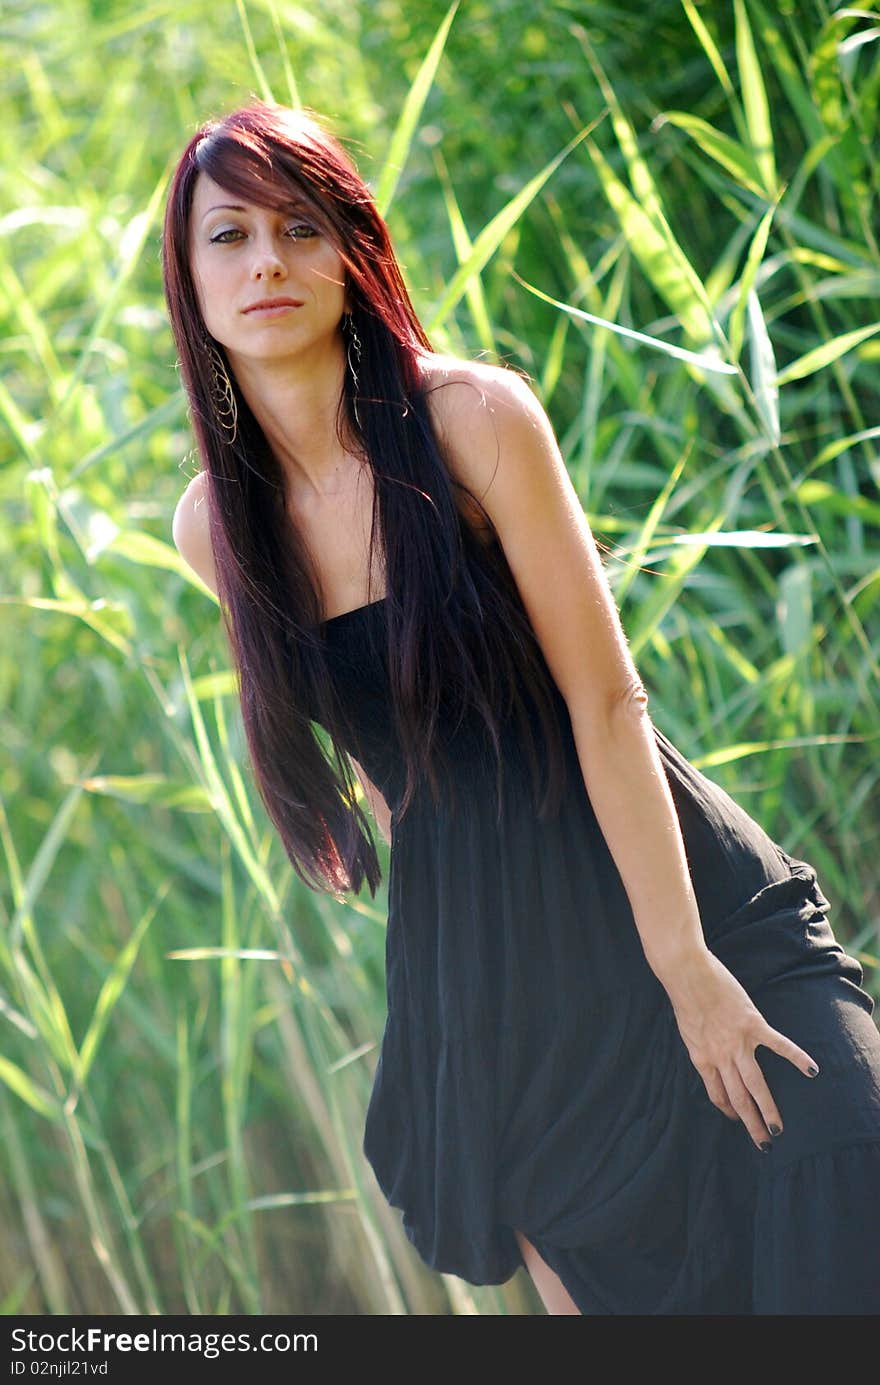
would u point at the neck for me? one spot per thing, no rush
(296, 403)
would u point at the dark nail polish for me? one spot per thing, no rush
(813, 1071)
(765, 1146)
(775, 1129)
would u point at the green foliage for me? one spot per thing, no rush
(669, 219)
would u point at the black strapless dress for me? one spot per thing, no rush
(531, 1072)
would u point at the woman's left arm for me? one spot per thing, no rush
(500, 444)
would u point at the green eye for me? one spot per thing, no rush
(219, 237)
(301, 230)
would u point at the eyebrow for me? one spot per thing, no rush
(224, 207)
(234, 207)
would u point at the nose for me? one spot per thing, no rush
(268, 264)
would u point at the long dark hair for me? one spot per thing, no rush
(451, 601)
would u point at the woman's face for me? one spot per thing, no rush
(244, 256)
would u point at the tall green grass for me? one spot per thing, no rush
(670, 222)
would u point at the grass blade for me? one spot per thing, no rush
(138, 231)
(113, 987)
(45, 1255)
(259, 72)
(839, 445)
(146, 550)
(292, 89)
(98, 615)
(41, 866)
(640, 176)
(753, 260)
(30, 1092)
(823, 355)
(491, 236)
(402, 138)
(720, 147)
(764, 381)
(659, 254)
(157, 418)
(645, 537)
(703, 359)
(23, 429)
(463, 246)
(710, 48)
(754, 95)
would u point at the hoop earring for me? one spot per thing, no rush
(354, 345)
(223, 395)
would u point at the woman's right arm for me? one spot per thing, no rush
(381, 811)
(191, 535)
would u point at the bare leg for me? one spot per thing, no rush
(554, 1295)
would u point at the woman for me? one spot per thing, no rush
(623, 1046)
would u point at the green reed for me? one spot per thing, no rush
(669, 222)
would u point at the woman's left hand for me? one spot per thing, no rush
(721, 1028)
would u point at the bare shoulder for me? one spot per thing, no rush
(500, 442)
(476, 409)
(472, 382)
(191, 532)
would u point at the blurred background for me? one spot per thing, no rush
(667, 216)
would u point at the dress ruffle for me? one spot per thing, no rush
(817, 1232)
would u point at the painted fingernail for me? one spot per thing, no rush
(775, 1129)
(765, 1146)
(813, 1070)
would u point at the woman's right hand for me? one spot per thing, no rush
(721, 1028)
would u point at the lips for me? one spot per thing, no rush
(272, 304)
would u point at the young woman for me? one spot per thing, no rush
(623, 1046)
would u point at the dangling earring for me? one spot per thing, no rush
(223, 395)
(354, 345)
